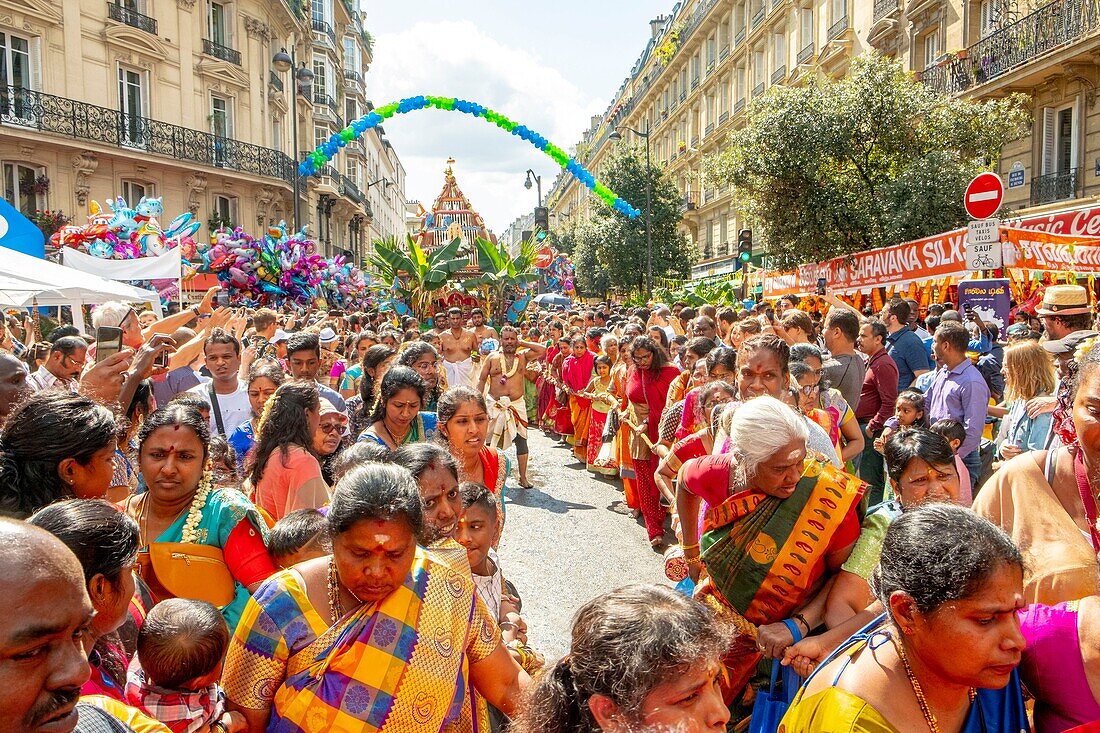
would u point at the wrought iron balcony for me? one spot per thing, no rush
(837, 29)
(740, 105)
(27, 109)
(709, 128)
(320, 97)
(353, 76)
(123, 14)
(725, 53)
(695, 142)
(806, 53)
(883, 8)
(758, 18)
(1054, 25)
(758, 89)
(325, 28)
(218, 51)
(779, 74)
(274, 81)
(723, 117)
(689, 201)
(739, 37)
(695, 83)
(1055, 186)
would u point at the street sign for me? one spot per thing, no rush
(1016, 175)
(983, 231)
(984, 195)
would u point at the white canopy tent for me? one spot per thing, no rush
(27, 281)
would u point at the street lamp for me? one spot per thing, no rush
(616, 135)
(302, 77)
(537, 179)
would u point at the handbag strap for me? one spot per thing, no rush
(215, 408)
(1087, 498)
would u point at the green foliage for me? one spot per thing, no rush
(502, 275)
(833, 167)
(716, 291)
(620, 247)
(669, 46)
(417, 274)
(591, 280)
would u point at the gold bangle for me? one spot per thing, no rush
(685, 548)
(693, 561)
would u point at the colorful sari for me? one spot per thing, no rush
(834, 709)
(575, 373)
(622, 442)
(597, 419)
(765, 556)
(231, 523)
(398, 665)
(495, 468)
(647, 396)
(423, 429)
(546, 391)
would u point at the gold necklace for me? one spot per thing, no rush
(404, 435)
(335, 606)
(918, 691)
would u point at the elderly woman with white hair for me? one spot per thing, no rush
(779, 523)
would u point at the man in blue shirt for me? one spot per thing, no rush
(959, 392)
(904, 346)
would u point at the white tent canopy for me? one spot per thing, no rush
(27, 281)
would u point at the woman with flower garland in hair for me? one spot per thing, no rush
(196, 540)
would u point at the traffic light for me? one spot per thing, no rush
(744, 246)
(542, 223)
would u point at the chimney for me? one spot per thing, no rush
(657, 25)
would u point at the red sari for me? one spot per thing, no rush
(576, 372)
(494, 467)
(646, 395)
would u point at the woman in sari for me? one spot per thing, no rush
(183, 506)
(264, 377)
(563, 419)
(376, 361)
(399, 417)
(547, 399)
(576, 371)
(779, 524)
(599, 392)
(721, 364)
(284, 469)
(619, 374)
(377, 636)
(423, 358)
(907, 671)
(699, 443)
(644, 401)
(463, 425)
(105, 541)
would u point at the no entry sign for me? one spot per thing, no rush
(984, 195)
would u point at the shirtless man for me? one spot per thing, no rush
(481, 330)
(440, 323)
(504, 374)
(458, 344)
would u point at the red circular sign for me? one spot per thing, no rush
(984, 195)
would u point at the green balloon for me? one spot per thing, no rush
(347, 134)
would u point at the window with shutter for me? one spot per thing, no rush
(1047, 163)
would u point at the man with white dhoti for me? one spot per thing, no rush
(504, 374)
(458, 346)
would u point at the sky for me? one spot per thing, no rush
(548, 66)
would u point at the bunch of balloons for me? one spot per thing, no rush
(326, 151)
(280, 267)
(125, 233)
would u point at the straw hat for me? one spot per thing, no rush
(1064, 300)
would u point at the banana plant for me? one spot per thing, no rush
(502, 275)
(414, 273)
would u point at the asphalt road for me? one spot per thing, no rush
(566, 541)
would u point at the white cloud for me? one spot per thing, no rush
(457, 59)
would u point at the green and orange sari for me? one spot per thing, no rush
(767, 557)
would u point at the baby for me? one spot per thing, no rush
(174, 676)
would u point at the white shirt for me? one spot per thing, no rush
(234, 408)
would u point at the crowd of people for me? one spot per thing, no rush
(251, 520)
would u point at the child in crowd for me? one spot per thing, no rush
(223, 460)
(909, 411)
(297, 537)
(192, 400)
(174, 676)
(954, 433)
(477, 531)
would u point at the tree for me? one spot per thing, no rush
(592, 279)
(502, 275)
(837, 166)
(416, 274)
(621, 249)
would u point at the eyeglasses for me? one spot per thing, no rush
(67, 358)
(810, 389)
(330, 428)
